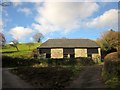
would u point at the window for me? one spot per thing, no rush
(71, 55)
(89, 55)
(48, 56)
(45, 50)
(65, 56)
(92, 50)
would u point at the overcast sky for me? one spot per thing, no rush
(60, 19)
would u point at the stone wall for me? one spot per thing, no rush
(97, 57)
(99, 52)
(57, 53)
(79, 52)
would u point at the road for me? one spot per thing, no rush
(90, 77)
(10, 80)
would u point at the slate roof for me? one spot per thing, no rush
(69, 43)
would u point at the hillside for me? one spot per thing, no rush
(23, 50)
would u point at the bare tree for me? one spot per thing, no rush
(15, 44)
(2, 39)
(38, 37)
(30, 44)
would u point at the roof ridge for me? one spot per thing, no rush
(60, 42)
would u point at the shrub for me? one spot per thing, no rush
(112, 67)
(115, 56)
(112, 63)
(64, 61)
(69, 61)
(17, 62)
(111, 71)
(113, 83)
(85, 61)
(35, 53)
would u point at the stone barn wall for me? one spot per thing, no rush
(57, 53)
(97, 57)
(79, 52)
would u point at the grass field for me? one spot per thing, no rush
(23, 50)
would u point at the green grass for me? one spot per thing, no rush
(23, 50)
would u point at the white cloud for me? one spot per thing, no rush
(65, 14)
(1, 22)
(31, 39)
(16, 0)
(1, 25)
(26, 0)
(53, 16)
(15, 4)
(52, 0)
(64, 0)
(108, 19)
(108, 0)
(45, 27)
(20, 33)
(27, 11)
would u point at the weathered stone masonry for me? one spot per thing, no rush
(80, 52)
(70, 48)
(57, 53)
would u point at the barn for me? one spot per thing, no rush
(70, 48)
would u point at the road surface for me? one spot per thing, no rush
(90, 77)
(10, 80)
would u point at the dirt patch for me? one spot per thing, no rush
(47, 77)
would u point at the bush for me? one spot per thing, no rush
(112, 67)
(85, 61)
(17, 62)
(115, 56)
(61, 61)
(68, 61)
(111, 71)
(113, 83)
(112, 63)
(35, 53)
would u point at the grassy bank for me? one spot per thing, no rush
(24, 51)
